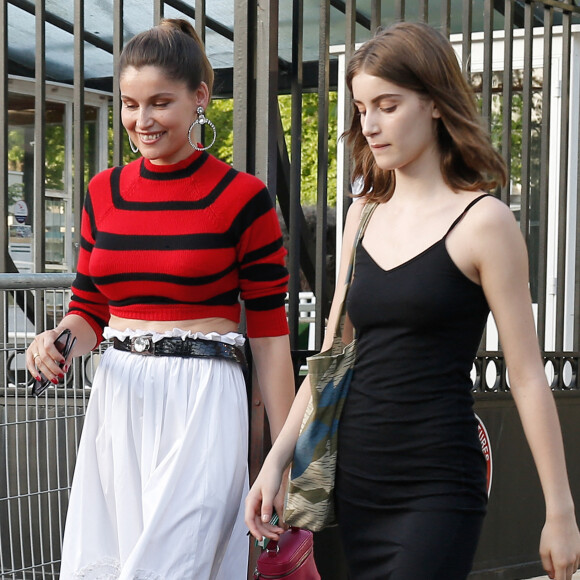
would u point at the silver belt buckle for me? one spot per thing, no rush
(143, 345)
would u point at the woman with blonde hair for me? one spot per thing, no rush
(438, 254)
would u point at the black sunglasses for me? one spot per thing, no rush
(64, 344)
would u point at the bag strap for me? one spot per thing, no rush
(365, 217)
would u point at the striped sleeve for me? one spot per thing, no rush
(87, 302)
(263, 273)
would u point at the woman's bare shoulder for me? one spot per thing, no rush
(490, 214)
(492, 230)
(356, 208)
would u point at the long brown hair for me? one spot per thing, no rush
(173, 46)
(415, 56)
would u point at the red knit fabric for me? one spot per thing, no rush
(180, 242)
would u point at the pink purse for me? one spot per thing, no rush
(291, 558)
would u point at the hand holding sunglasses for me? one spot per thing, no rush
(64, 344)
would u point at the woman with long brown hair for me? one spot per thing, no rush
(438, 255)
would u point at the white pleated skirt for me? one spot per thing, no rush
(161, 472)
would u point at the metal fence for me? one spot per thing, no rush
(38, 436)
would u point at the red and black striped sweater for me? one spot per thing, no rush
(180, 242)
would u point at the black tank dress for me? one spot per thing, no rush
(411, 477)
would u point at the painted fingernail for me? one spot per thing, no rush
(61, 375)
(38, 379)
(54, 381)
(66, 367)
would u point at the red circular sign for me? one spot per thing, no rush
(486, 449)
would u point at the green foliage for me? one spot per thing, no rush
(128, 155)
(15, 150)
(55, 154)
(221, 114)
(516, 121)
(15, 193)
(309, 146)
(515, 168)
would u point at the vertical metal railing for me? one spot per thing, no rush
(3, 134)
(487, 72)
(78, 117)
(446, 17)
(507, 94)
(576, 301)
(38, 436)
(526, 120)
(295, 210)
(39, 135)
(321, 280)
(118, 131)
(562, 250)
(544, 185)
(243, 69)
(466, 29)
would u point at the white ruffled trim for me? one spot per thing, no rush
(234, 338)
(109, 569)
(104, 570)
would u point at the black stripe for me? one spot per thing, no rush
(80, 300)
(159, 277)
(256, 207)
(91, 215)
(224, 299)
(228, 298)
(271, 302)
(85, 283)
(132, 242)
(263, 252)
(264, 272)
(124, 204)
(202, 241)
(86, 245)
(178, 174)
(102, 323)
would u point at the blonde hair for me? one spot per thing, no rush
(173, 46)
(415, 56)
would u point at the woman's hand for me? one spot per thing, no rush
(266, 492)
(560, 547)
(280, 498)
(42, 356)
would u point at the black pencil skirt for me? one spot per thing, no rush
(403, 544)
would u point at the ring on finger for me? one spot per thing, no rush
(34, 356)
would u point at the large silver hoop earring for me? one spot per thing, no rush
(201, 120)
(134, 148)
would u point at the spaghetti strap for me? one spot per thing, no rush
(469, 206)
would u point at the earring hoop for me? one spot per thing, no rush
(201, 120)
(134, 148)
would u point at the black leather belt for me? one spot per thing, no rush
(175, 346)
